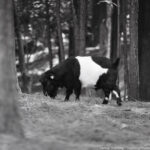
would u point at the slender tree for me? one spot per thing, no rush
(48, 33)
(9, 116)
(109, 28)
(19, 44)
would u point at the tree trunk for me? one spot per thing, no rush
(115, 31)
(71, 41)
(79, 25)
(103, 36)
(82, 26)
(9, 116)
(125, 44)
(133, 63)
(60, 39)
(144, 49)
(48, 36)
(99, 15)
(22, 66)
(109, 28)
(130, 48)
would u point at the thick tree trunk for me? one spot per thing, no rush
(59, 31)
(79, 25)
(144, 49)
(9, 116)
(133, 63)
(129, 10)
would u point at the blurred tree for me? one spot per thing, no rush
(115, 40)
(48, 31)
(59, 32)
(9, 116)
(109, 9)
(133, 61)
(102, 26)
(19, 44)
(79, 9)
(144, 49)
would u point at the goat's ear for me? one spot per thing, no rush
(52, 77)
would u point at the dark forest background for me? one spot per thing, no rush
(49, 31)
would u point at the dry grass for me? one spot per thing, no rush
(86, 124)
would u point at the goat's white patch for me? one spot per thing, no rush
(110, 96)
(115, 93)
(106, 98)
(89, 71)
(52, 77)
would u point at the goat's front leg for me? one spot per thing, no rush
(68, 93)
(107, 93)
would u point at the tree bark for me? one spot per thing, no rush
(79, 24)
(82, 26)
(129, 17)
(71, 41)
(109, 28)
(144, 49)
(9, 116)
(59, 31)
(133, 62)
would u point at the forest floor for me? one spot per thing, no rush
(85, 125)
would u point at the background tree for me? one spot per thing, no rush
(48, 31)
(144, 49)
(9, 116)
(129, 29)
(133, 60)
(60, 39)
(79, 8)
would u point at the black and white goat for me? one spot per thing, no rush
(82, 71)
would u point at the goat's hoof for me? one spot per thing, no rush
(66, 100)
(105, 102)
(119, 103)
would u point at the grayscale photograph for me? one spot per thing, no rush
(74, 74)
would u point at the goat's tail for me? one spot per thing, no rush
(116, 63)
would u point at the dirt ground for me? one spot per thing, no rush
(86, 125)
